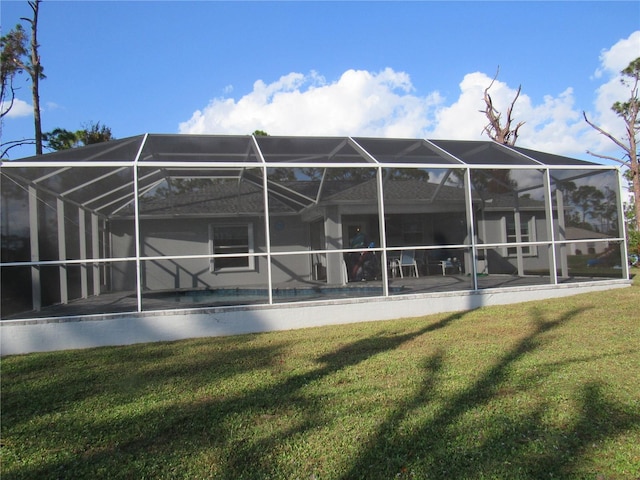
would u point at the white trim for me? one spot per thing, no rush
(62, 251)
(136, 215)
(328, 164)
(34, 247)
(530, 243)
(267, 216)
(249, 254)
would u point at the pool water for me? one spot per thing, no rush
(249, 296)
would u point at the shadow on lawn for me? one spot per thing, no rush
(134, 371)
(200, 423)
(521, 446)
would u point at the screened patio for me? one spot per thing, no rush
(162, 222)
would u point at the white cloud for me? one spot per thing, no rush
(358, 103)
(386, 104)
(618, 57)
(463, 120)
(551, 126)
(555, 125)
(20, 108)
(612, 62)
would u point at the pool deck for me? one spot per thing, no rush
(126, 302)
(112, 319)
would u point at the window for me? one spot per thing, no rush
(527, 234)
(229, 239)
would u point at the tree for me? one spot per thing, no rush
(94, 133)
(61, 139)
(12, 45)
(494, 129)
(629, 112)
(588, 199)
(16, 58)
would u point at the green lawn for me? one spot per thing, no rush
(536, 390)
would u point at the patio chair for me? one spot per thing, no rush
(452, 263)
(407, 259)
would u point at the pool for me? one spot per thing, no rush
(252, 296)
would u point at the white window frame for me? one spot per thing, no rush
(527, 250)
(213, 268)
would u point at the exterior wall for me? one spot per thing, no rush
(492, 229)
(176, 237)
(289, 233)
(122, 275)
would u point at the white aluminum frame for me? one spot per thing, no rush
(370, 162)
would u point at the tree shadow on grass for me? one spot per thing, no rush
(524, 446)
(128, 373)
(113, 446)
(163, 431)
(213, 427)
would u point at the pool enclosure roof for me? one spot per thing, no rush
(104, 184)
(303, 150)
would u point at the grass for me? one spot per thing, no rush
(536, 390)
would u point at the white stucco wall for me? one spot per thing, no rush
(171, 237)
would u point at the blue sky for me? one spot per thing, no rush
(400, 69)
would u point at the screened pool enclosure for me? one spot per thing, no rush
(159, 222)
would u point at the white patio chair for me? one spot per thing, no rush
(407, 259)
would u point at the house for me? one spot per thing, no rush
(155, 223)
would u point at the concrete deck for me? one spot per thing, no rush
(126, 302)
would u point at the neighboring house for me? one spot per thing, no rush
(590, 246)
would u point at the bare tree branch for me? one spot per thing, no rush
(6, 106)
(13, 144)
(607, 157)
(494, 129)
(610, 137)
(628, 111)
